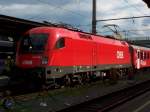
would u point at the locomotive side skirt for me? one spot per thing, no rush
(60, 71)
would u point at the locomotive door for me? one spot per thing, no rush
(138, 59)
(94, 57)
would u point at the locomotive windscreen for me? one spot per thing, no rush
(33, 43)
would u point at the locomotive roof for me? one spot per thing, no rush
(84, 35)
(77, 31)
(140, 47)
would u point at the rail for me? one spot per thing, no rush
(110, 101)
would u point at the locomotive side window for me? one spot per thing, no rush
(60, 43)
(141, 55)
(138, 54)
(147, 55)
(144, 53)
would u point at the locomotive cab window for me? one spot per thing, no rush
(34, 43)
(60, 43)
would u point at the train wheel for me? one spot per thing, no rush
(85, 77)
(80, 80)
(113, 76)
(68, 80)
(130, 74)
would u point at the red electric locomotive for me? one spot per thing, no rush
(55, 53)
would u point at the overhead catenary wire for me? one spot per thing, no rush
(135, 33)
(85, 25)
(135, 7)
(124, 7)
(76, 13)
(58, 7)
(130, 30)
(127, 32)
(123, 18)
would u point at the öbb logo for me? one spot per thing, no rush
(120, 54)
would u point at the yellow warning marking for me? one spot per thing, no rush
(142, 107)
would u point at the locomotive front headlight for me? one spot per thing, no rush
(44, 60)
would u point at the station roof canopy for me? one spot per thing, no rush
(147, 2)
(12, 26)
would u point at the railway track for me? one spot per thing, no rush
(110, 101)
(17, 89)
(101, 104)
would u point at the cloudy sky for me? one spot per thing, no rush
(79, 13)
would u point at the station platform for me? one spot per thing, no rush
(3, 80)
(58, 99)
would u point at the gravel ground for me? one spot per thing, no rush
(55, 100)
